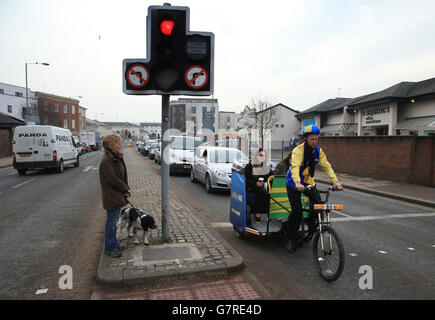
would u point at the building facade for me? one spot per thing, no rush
(82, 117)
(58, 111)
(407, 108)
(13, 102)
(125, 129)
(201, 115)
(228, 121)
(151, 129)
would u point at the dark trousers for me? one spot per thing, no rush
(258, 200)
(295, 218)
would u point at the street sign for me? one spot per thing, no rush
(137, 75)
(196, 77)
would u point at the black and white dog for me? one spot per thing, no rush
(136, 219)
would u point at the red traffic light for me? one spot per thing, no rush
(166, 27)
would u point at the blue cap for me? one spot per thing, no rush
(311, 129)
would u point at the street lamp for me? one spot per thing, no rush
(27, 88)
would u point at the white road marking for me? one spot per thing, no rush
(382, 252)
(343, 214)
(411, 249)
(221, 224)
(367, 218)
(19, 185)
(353, 254)
(12, 174)
(41, 291)
(87, 169)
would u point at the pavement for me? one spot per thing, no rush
(195, 248)
(6, 162)
(399, 191)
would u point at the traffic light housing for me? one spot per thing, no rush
(179, 61)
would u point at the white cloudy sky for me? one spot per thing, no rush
(298, 53)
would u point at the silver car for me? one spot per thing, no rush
(212, 166)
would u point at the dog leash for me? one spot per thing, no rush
(134, 207)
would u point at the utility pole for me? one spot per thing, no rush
(165, 168)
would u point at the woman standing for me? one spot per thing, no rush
(115, 189)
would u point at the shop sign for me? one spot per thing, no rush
(376, 116)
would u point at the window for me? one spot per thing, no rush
(277, 126)
(65, 108)
(73, 124)
(65, 123)
(282, 126)
(228, 119)
(73, 111)
(194, 119)
(2, 91)
(18, 94)
(9, 108)
(56, 107)
(193, 109)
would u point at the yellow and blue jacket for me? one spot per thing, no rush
(297, 172)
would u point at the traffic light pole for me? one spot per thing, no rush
(165, 167)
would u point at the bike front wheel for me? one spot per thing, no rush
(328, 254)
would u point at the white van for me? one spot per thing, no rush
(36, 147)
(181, 152)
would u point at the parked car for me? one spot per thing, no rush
(180, 151)
(139, 144)
(152, 151)
(158, 154)
(212, 166)
(79, 149)
(145, 150)
(273, 163)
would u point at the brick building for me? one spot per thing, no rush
(60, 111)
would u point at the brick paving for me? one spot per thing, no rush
(235, 288)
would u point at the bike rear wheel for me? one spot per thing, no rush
(329, 262)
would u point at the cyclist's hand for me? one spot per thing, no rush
(300, 186)
(338, 186)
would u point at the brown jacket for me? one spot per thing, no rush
(113, 179)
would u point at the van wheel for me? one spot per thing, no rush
(61, 167)
(77, 164)
(22, 172)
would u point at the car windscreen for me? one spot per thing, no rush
(184, 143)
(154, 146)
(226, 156)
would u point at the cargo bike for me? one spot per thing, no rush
(328, 251)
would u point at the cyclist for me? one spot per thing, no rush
(300, 174)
